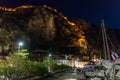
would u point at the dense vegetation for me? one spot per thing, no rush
(18, 67)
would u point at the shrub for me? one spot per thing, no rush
(16, 67)
(60, 67)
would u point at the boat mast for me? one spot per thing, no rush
(103, 37)
(106, 47)
(105, 41)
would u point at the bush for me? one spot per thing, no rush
(36, 68)
(16, 67)
(53, 65)
(60, 67)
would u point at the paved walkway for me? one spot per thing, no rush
(67, 75)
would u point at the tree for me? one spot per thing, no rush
(4, 39)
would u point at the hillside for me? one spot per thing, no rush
(41, 27)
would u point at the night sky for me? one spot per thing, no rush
(93, 11)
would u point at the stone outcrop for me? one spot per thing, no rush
(42, 26)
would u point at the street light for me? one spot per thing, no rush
(49, 68)
(50, 55)
(19, 45)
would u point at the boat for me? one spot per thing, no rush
(96, 72)
(111, 61)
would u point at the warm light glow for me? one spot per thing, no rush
(81, 42)
(65, 17)
(45, 6)
(71, 23)
(14, 9)
(72, 63)
(25, 6)
(80, 64)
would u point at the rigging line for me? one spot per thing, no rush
(111, 43)
(98, 43)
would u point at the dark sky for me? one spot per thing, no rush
(93, 11)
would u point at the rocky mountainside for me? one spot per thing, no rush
(41, 27)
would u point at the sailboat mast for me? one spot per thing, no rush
(107, 46)
(105, 41)
(103, 36)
